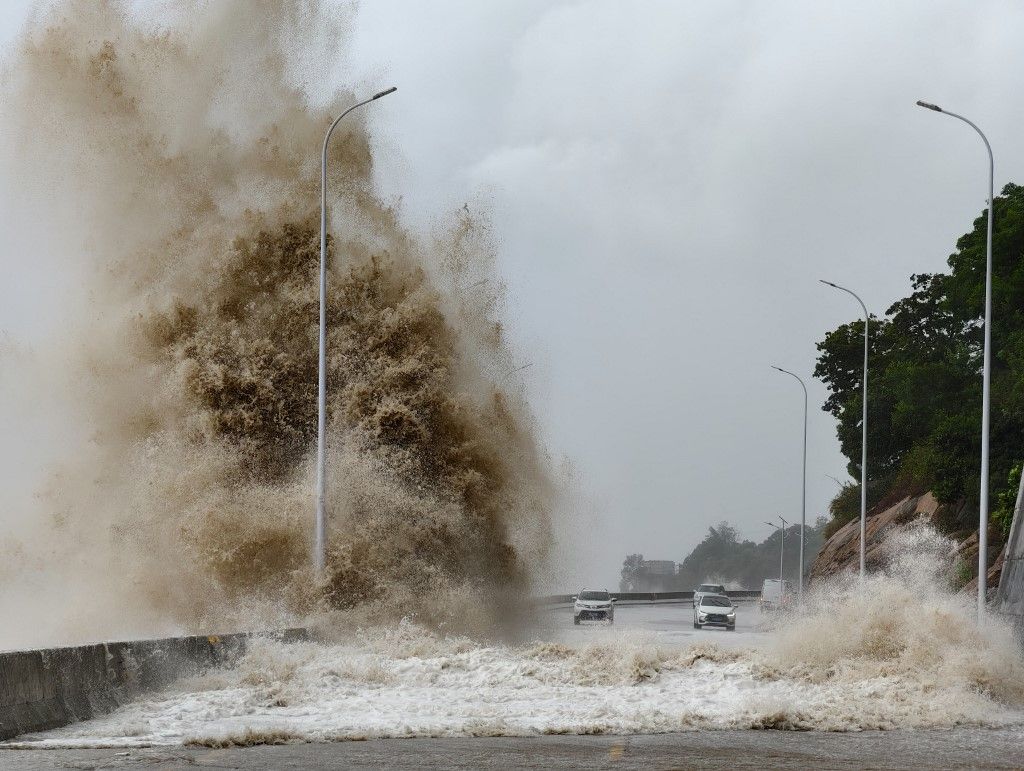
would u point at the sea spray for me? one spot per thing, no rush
(179, 155)
(904, 629)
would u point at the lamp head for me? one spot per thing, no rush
(929, 106)
(391, 90)
(829, 283)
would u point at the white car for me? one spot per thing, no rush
(593, 605)
(703, 589)
(715, 610)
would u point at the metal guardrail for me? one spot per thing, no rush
(651, 597)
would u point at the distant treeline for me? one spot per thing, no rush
(924, 384)
(723, 558)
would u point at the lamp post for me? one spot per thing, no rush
(782, 551)
(864, 432)
(514, 370)
(803, 498)
(985, 372)
(320, 535)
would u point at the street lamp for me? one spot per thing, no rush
(518, 369)
(803, 499)
(985, 372)
(864, 433)
(320, 537)
(782, 551)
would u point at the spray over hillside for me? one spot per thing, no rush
(186, 160)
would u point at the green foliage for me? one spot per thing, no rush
(630, 572)
(924, 400)
(1002, 511)
(963, 572)
(845, 507)
(722, 556)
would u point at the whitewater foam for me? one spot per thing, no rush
(900, 651)
(407, 681)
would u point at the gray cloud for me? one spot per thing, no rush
(669, 181)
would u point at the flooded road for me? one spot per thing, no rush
(649, 691)
(670, 623)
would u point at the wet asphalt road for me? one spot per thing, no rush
(1001, 749)
(670, 622)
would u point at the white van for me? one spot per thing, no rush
(774, 594)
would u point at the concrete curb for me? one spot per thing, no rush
(45, 689)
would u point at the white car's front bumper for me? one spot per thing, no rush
(593, 613)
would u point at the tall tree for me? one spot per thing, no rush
(631, 569)
(924, 400)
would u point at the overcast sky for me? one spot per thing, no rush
(667, 182)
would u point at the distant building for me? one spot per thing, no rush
(658, 567)
(653, 576)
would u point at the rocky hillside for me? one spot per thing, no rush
(842, 551)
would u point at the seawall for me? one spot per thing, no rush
(43, 689)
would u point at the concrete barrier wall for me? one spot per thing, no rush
(45, 689)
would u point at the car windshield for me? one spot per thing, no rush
(593, 595)
(711, 588)
(718, 602)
